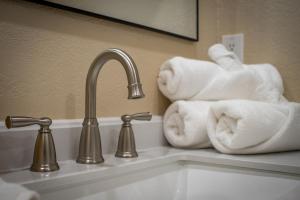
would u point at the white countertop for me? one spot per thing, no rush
(286, 162)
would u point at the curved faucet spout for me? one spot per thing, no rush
(90, 151)
(134, 85)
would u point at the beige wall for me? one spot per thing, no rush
(46, 53)
(272, 34)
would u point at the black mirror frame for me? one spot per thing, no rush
(123, 21)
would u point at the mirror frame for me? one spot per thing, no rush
(76, 10)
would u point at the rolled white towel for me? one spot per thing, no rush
(11, 191)
(251, 127)
(226, 59)
(270, 88)
(188, 79)
(184, 124)
(182, 78)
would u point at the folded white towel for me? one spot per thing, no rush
(11, 191)
(226, 59)
(184, 124)
(250, 127)
(187, 79)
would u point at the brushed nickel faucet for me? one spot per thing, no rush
(90, 151)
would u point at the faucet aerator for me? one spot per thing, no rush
(135, 91)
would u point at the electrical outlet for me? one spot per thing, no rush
(235, 43)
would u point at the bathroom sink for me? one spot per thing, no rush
(171, 174)
(179, 181)
(173, 182)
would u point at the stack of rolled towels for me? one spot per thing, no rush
(233, 107)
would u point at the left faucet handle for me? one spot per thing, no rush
(44, 157)
(21, 121)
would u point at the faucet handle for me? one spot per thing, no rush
(21, 121)
(126, 143)
(147, 116)
(44, 157)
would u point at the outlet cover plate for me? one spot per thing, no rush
(235, 43)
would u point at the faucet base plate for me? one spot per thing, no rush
(35, 167)
(90, 160)
(122, 154)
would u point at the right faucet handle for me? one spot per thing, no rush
(126, 143)
(137, 116)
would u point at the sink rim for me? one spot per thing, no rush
(279, 163)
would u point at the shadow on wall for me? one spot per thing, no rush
(92, 28)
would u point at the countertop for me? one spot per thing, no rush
(286, 162)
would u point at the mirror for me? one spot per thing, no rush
(174, 17)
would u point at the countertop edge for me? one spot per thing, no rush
(275, 163)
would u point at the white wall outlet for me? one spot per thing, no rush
(235, 43)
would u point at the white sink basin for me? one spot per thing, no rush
(170, 175)
(192, 182)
